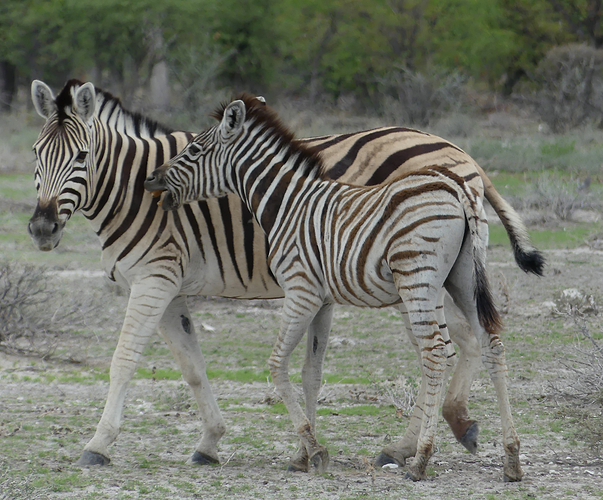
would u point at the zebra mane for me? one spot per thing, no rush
(140, 124)
(258, 111)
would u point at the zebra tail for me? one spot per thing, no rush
(528, 258)
(488, 314)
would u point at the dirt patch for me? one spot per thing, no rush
(49, 410)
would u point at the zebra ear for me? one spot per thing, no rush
(85, 101)
(43, 99)
(233, 118)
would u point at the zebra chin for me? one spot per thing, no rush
(168, 202)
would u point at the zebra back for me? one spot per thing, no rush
(329, 236)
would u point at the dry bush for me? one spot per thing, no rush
(416, 98)
(195, 72)
(584, 381)
(570, 80)
(35, 309)
(400, 393)
(22, 290)
(554, 195)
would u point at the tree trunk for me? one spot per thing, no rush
(8, 85)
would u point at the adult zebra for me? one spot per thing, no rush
(394, 244)
(93, 156)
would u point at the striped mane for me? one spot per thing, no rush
(129, 120)
(260, 113)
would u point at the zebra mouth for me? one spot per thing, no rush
(156, 185)
(166, 200)
(158, 194)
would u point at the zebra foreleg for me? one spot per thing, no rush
(298, 313)
(316, 346)
(146, 306)
(177, 329)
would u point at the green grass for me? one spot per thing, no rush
(577, 152)
(158, 374)
(571, 236)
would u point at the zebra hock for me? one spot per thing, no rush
(399, 244)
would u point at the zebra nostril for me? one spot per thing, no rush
(29, 229)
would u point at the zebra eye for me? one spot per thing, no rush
(194, 149)
(81, 156)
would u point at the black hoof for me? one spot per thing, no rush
(296, 468)
(469, 440)
(320, 460)
(199, 458)
(410, 476)
(90, 458)
(508, 479)
(384, 459)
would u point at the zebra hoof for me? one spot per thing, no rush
(199, 458)
(412, 477)
(469, 439)
(90, 459)
(320, 460)
(299, 464)
(513, 478)
(384, 459)
(293, 467)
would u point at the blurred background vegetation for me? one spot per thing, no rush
(405, 60)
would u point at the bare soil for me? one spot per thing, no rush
(44, 425)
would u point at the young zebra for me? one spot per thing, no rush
(399, 244)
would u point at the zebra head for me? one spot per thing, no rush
(64, 155)
(198, 171)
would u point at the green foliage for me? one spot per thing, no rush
(306, 47)
(470, 35)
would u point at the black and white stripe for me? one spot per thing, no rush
(93, 155)
(399, 243)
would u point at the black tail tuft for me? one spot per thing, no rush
(529, 262)
(487, 313)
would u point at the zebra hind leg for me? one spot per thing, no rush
(454, 409)
(294, 324)
(316, 346)
(397, 453)
(493, 358)
(435, 351)
(177, 329)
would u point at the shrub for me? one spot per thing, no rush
(583, 386)
(22, 289)
(36, 309)
(416, 98)
(570, 81)
(552, 194)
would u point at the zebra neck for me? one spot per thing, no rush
(275, 184)
(117, 199)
